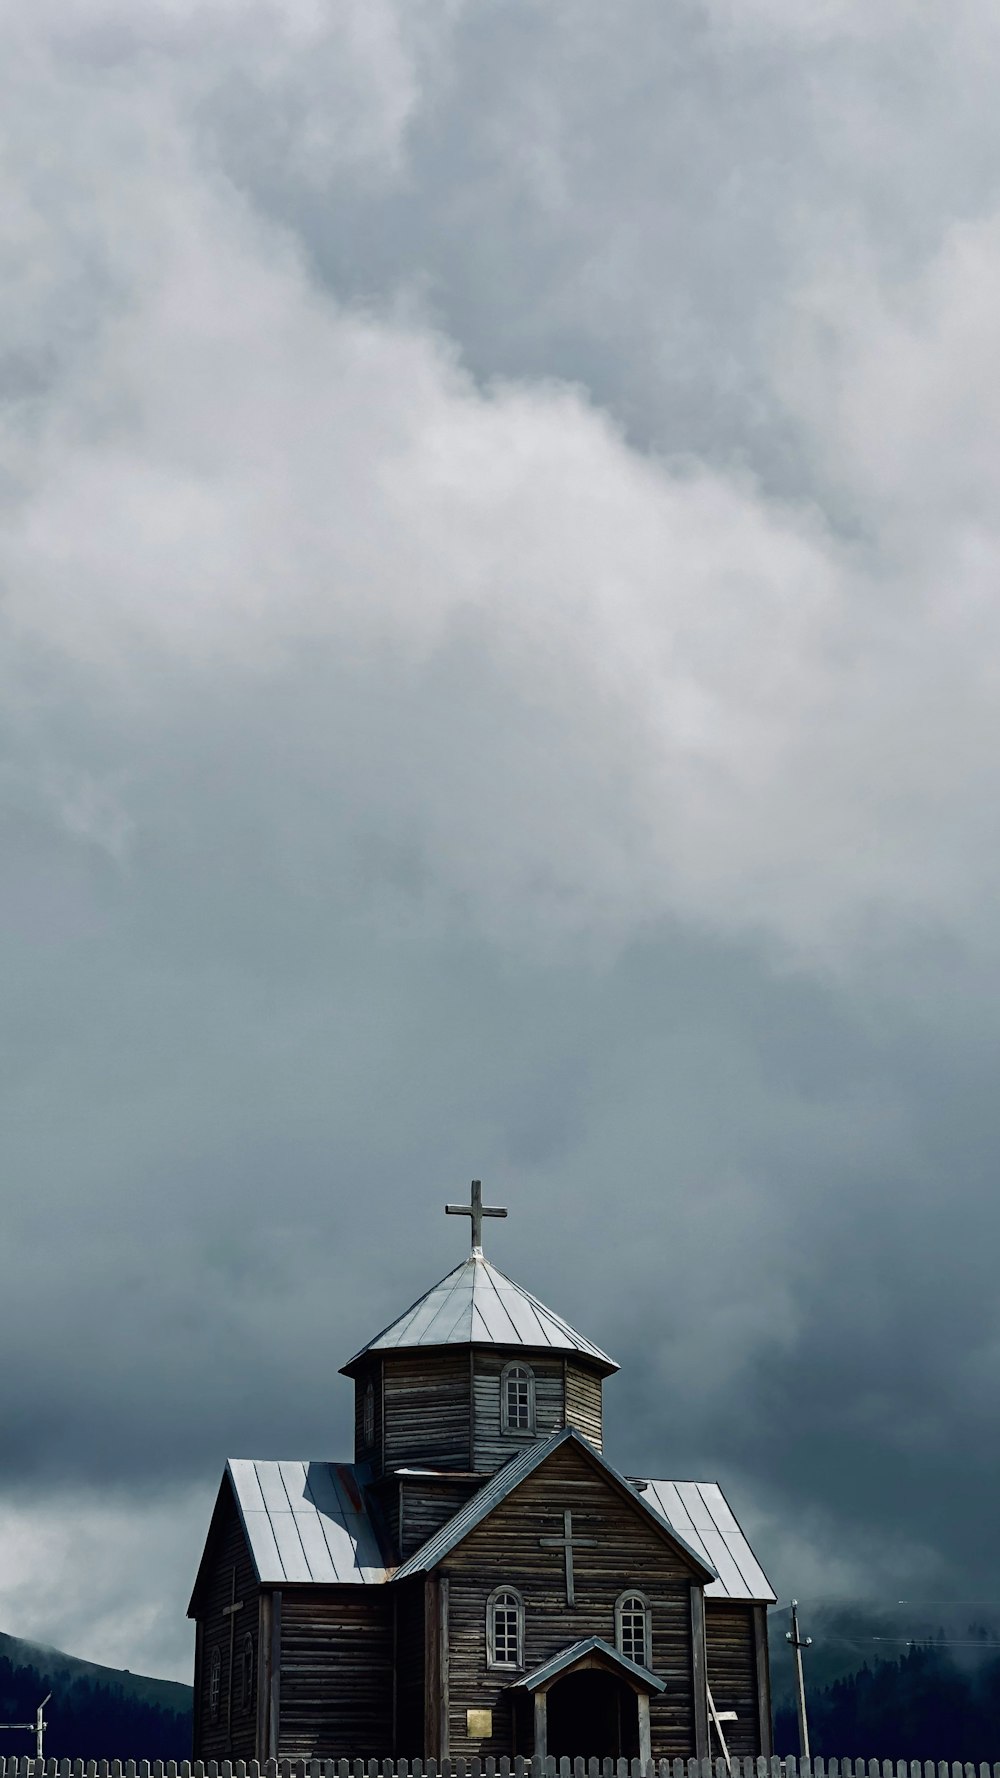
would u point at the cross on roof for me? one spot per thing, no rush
(476, 1210)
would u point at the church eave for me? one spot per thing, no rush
(578, 1654)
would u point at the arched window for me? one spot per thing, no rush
(246, 1673)
(517, 1398)
(214, 1684)
(505, 1628)
(368, 1416)
(633, 1628)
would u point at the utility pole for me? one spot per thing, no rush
(37, 1728)
(40, 1726)
(798, 1644)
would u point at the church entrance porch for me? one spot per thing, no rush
(592, 1715)
(591, 1702)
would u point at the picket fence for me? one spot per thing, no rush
(788, 1767)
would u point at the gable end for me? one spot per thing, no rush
(517, 1471)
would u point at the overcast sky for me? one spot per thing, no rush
(499, 659)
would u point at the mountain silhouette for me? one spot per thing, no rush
(94, 1712)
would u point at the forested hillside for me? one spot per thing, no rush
(94, 1712)
(921, 1706)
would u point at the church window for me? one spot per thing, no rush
(505, 1628)
(368, 1416)
(517, 1398)
(633, 1628)
(214, 1684)
(246, 1673)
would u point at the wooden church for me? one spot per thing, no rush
(481, 1580)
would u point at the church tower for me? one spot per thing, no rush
(473, 1372)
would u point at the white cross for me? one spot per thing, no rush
(567, 1543)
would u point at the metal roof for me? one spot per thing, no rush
(306, 1521)
(507, 1479)
(703, 1518)
(578, 1652)
(477, 1305)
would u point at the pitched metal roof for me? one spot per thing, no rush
(477, 1305)
(507, 1479)
(578, 1652)
(306, 1521)
(700, 1513)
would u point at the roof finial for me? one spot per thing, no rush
(476, 1210)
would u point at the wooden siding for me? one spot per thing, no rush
(627, 1552)
(426, 1409)
(363, 1451)
(385, 1500)
(227, 1551)
(441, 1409)
(336, 1673)
(409, 1605)
(765, 1711)
(584, 1402)
(491, 1447)
(732, 1672)
(426, 1504)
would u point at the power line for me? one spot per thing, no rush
(924, 1641)
(874, 1603)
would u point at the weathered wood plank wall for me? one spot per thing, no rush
(505, 1550)
(732, 1670)
(567, 1393)
(426, 1409)
(336, 1672)
(425, 1505)
(441, 1409)
(493, 1447)
(368, 1450)
(584, 1402)
(231, 1731)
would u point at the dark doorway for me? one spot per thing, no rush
(592, 1715)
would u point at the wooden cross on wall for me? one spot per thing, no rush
(568, 1543)
(476, 1210)
(230, 1612)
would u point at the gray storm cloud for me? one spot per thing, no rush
(496, 676)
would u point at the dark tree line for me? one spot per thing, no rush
(920, 1707)
(87, 1719)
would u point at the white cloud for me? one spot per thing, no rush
(321, 643)
(814, 1555)
(106, 1579)
(677, 696)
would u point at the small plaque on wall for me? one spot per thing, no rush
(479, 1725)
